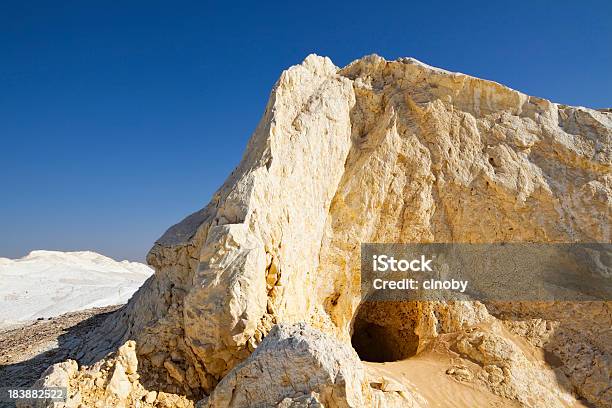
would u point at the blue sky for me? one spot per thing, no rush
(117, 119)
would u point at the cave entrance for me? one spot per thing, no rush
(384, 331)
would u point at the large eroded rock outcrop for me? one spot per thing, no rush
(378, 151)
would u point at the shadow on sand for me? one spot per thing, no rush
(48, 342)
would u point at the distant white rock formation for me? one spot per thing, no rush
(49, 283)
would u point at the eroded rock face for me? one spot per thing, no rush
(378, 151)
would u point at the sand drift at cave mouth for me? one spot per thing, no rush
(425, 376)
(446, 379)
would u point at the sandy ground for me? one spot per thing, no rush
(28, 349)
(426, 375)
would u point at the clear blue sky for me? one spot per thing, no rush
(117, 119)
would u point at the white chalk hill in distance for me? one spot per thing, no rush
(49, 283)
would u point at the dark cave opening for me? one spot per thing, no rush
(384, 331)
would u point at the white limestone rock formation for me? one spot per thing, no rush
(45, 284)
(379, 151)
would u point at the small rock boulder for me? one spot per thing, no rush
(294, 361)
